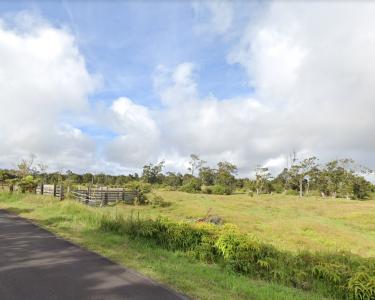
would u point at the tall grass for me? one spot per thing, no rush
(338, 274)
(334, 274)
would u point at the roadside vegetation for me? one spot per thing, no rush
(308, 232)
(285, 221)
(91, 228)
(223, 253)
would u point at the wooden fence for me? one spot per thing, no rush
(51, 189)
(91, 196)
(103, 196)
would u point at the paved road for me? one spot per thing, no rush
(35, 264)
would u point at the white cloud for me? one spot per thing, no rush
(176, 86)
(42, 77)
(311, 66)
(314, 63)
(216, 129)
(137, 142)
(313, 73)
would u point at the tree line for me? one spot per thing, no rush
(337, 178)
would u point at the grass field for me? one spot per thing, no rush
(179, 270)
(288, 222)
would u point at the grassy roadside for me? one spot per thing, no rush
(196, 279)
(287, 222)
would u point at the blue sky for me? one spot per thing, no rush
(124, 41)
(124, 83)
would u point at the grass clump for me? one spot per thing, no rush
(287, 222)
(339, 274)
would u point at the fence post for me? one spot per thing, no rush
(42, 188)
(61, 192)
(54, 190)
(88, 195)
(102, 197)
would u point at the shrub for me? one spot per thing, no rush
(158, 201)
(361, 188)
(28, 184)
(222, 190)
(140, 198)
(192, 186)
(277, 187)
(140, 186)
(206, 189)
(361, 286)
(341, 275)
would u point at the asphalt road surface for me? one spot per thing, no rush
(35, 264)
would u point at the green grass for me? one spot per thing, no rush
(199, 280)
(287, 222)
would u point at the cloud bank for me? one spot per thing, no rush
(310, 69)
(42, 77)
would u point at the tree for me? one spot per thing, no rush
(25, 167)
(195, 163)
(291, 161)
(225, 175)
(5, 176)
(152, 173)
(360, 188)
(88, 178)
(301, 171)
(28, 184)
(337, 174)
(280, 183)
(100, 179)
(192, 185)
(341, 177)
(41, 168)
(173, 180)
(262, 175)
(207, 175)
(121, 180)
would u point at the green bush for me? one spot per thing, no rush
(157, 201)
(361, 286)
(28, 184)
(192, 186)
(140, 186)
(340, 274)
(222, 190)
(206, 189)
(277, 187)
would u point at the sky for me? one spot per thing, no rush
(109, 86)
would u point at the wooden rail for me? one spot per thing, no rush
(91, 196)
(51, 189)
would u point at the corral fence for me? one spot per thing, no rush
(99, 196)
(103, 196)
(52, 190)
